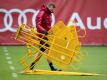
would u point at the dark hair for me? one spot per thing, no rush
(51, 4)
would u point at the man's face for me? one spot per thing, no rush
(51, 8)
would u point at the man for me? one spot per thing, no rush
(43, 25)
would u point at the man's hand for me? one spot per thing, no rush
(45, 32)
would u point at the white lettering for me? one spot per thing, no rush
(105, 23)
(75, 16)
(89, 24)
(97, 26)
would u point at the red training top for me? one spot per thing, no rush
(43, 20)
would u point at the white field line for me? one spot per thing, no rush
(8, 58)
(6, 53)
(12, 67)
(9, 61)
(14, 75)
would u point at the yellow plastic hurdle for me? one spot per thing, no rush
(65, 45)
(47, 72)
(63, 41)
(63, 49)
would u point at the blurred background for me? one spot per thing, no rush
(90, 15)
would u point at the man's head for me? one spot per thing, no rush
(51, 6)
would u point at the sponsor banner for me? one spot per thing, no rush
(90, 15)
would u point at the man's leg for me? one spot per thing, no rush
(37, 57)
(46, 51)
(51, 66)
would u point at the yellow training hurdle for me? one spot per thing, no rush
(64, 47)
(63, 41)
(47, 72)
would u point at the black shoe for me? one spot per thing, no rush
(54, 69)
(59, 70)
(32, 66)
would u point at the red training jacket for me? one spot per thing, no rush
(43, 20)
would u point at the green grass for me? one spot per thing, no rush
(95, 61)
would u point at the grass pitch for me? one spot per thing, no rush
(95, 62)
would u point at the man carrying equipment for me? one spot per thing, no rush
(43, 25)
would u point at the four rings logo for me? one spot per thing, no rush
(22, 15)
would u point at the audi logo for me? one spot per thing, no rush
(22, 15)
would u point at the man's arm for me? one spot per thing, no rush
(39, 21)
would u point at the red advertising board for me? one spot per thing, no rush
(88, 14)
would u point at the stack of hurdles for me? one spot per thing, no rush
(64, 48)
(62, 39)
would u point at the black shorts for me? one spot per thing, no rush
(43, 42)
